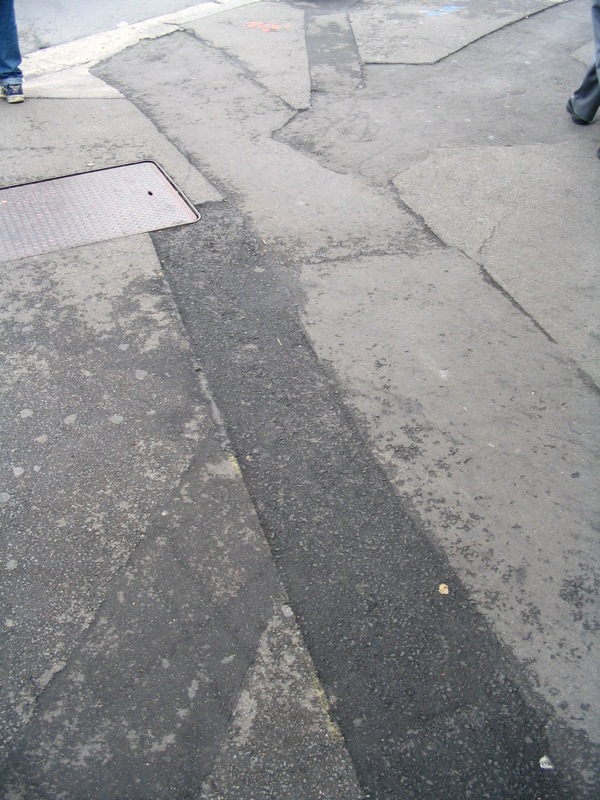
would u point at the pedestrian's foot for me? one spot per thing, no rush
(13, 93)
(598, 153)
(570, 110)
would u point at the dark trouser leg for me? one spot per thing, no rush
(586, 100)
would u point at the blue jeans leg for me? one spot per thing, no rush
(10, 54)
(586, 99)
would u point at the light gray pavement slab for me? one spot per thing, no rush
(411, 32)
(498, 206)
(255, 761)
(224, 120)
(400, 113)
(492, 434)
(87, 451)
(72, 83)
(269, 39)
(109, 132)
(585, 54)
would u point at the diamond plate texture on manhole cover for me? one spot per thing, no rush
(89, 207)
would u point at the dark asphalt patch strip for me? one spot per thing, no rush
(332, 46)
(425, 695)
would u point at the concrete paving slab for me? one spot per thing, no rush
(50, 138)
(388, 32)
(492, 434)
(282, 742)
(585, 54)
(269, 40)
(95, 377)
(291, 198)
(487, 202)
(75, 82)
(404, 112)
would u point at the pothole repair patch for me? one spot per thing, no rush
(89, 207)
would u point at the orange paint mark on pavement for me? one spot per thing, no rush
(265, 27)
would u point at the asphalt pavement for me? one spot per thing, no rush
(302, 500)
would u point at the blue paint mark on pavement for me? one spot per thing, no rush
(440, 12)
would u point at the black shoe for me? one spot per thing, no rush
(570, 110)
(598, 153)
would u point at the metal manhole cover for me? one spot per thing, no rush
(89, 207)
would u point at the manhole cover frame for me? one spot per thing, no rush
(51, 243)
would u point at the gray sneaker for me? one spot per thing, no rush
(13, 93)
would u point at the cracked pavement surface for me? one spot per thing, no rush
(242, 457)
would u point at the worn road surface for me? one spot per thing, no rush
(303, 500)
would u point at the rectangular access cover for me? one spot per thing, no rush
(89, 207)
